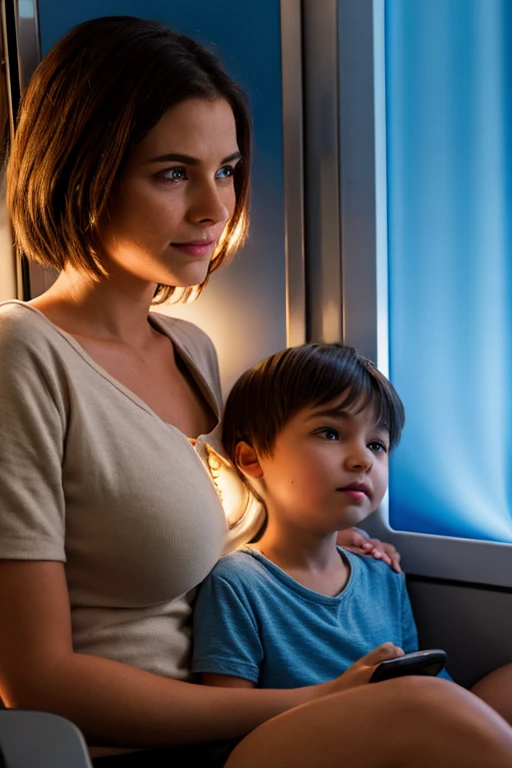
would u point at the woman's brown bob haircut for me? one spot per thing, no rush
(95, 95)
(267, 396)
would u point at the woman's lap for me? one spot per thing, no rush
(195, 756)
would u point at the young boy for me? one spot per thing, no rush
(310, 429)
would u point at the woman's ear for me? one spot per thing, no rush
(247, 461)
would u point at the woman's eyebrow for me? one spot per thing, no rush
(189, 160)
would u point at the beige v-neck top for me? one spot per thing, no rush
(92, 477)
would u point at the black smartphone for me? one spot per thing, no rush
(419, 663)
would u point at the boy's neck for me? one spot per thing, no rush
(312, 560)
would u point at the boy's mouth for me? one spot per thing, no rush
(358, 490)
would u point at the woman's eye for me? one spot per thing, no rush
(329, 434)
(226, 172)
(377, 446)
(173, 175)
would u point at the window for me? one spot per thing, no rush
(448, 80)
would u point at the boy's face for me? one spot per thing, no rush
(329, 469)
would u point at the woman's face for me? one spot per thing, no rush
(175, 197)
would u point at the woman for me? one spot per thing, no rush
(129, 174)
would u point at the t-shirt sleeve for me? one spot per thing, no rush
(409, 631)
(32, 419)
(225, 637)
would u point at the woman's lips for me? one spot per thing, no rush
(195, 248)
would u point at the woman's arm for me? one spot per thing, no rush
(225, 681)
(113, 703)
(357, 674)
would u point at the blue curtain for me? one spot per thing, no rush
(449, 163)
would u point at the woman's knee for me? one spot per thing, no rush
(496, 689)
(331, 727)
(409, 694)
(433, 697)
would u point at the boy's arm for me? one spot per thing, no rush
(226, 641)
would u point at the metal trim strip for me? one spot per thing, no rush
(291, 58)
(322, 171)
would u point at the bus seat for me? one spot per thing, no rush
(40, 740)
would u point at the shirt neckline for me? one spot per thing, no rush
(187, 359)
(305, 592)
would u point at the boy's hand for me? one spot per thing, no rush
(360, 672)
(357, 542)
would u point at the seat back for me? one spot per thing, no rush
(40, 740)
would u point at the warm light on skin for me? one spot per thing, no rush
(238, 233)
(175, 197)
(187, 296)
(236, 498)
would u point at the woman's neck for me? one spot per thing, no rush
(109, 310)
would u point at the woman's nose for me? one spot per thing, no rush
(208, 205)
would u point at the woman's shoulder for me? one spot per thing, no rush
(30, 341)
(15, 314)
(35, 356)
(24, 328)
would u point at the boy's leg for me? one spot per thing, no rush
(404, 723)
(496, 690)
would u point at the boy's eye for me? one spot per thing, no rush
(328, 433)
(225, 172)
(377, 446)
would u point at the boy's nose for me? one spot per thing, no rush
(359, 461)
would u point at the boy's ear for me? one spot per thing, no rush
(247, 460)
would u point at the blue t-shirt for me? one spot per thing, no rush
(252, 620)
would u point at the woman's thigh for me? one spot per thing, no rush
(410, 722)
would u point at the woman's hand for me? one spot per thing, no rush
(360, 671)
(356, 542)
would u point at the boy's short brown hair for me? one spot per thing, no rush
(95, 95)
(269, 394)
